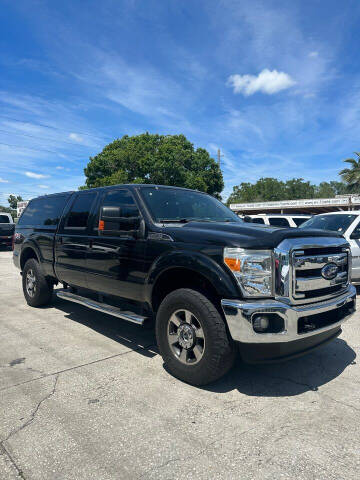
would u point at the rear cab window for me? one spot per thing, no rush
(44, 211)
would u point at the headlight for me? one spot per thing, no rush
(252, 269)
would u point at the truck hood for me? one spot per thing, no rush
(243, 235)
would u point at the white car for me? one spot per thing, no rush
(346, 223)
(280, 220)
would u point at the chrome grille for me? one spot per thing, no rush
(309, 284)
(298, 269)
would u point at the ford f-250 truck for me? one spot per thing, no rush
(213, 284)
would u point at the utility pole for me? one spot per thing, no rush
(219, 157)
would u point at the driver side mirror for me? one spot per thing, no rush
(116, 220)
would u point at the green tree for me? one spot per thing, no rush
(297, 188)
(265, 189)
(269, 189)
(352, 175)
(155, 159)
(13, 200)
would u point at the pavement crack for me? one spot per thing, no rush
(339, 401)
(159, 467)
(4, 450)
(302, 384)
(77, 366)
(190, 457)
(32, 415)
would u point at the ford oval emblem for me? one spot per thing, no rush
(329, 271)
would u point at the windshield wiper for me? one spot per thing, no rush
(186, 220)
(174, 220)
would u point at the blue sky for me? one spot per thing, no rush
(274, 84)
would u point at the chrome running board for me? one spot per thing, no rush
(101, 307)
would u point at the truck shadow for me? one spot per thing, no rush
(284, 379)
(289, 378)
(132, 336)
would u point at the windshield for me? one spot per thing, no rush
(172, 205)
(336, 223)
(4, 219)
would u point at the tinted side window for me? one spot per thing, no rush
(258, 220)
(278, 222)
(299, 221)
(80, 210)
(44, 211)
(117, 198)
(125, 200)
(4, 219)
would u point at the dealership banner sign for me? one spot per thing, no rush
(310, 202)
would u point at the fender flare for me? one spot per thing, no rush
(222, 281)
(30, 245)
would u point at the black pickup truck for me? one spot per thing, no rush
(213, 284)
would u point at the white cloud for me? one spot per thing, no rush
(313, 54)
(59, 168)
(35, 175)
(76, 137)
(2, 180)
(268, 81)
(43, 186)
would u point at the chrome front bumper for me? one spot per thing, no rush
(239, 316)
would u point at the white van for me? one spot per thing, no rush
(279, 220)
(346, 223)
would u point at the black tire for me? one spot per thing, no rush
(42, 293)
(218, 352)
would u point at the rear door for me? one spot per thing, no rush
(115, 261)
(72, 240)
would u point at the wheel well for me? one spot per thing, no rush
(182, 278)
(26, 254)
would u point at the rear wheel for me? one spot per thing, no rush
(192, 338)
(37, 290)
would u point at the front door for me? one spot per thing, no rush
(72, 241)
(115, 262)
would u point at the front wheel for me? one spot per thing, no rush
(37, 290)
(192, 338)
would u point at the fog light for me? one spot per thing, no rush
(261, 323)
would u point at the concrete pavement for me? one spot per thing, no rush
(86, 396)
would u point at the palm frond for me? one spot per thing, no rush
(352, 161)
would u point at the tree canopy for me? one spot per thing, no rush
(13, 200)
(155, 159)
(272, 189)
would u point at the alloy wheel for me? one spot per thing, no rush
(30, 283)
(186, 337)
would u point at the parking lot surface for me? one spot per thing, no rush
(85, 396)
